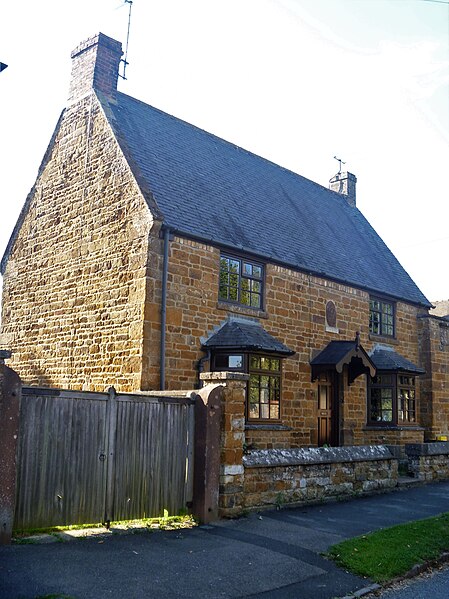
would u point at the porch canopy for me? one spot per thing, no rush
(338, 354)
(242, 333)
(386, 359)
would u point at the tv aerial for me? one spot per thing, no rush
(124, 60)
(340, 163)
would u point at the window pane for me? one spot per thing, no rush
(265, 363)
(224, 264)
(257, 272)
(247, 269)
(254, 410)
(264, 411)
(254, 394)
(255, 301)
(233, 280)
(223, 292)
(234, 266)
(274, 410)
(235, 361)
(322, 403)
(245, 298)
(387, 308)
(255, 363)
(221, 361)
(233, 294)
(264, 381)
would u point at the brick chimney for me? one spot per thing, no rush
(95, 64)
(345, 183)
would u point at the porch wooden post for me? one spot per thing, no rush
(10, 395)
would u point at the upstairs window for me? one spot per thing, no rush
(241, 281)
(392, 399)
(381, 318)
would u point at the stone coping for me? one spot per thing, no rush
(436, 448)
(261, 458)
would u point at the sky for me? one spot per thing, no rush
(295, 81)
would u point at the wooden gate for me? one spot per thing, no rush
(95, 457)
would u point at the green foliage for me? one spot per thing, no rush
(392, 552)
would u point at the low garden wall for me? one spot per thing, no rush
(310, 475)
(428, 461)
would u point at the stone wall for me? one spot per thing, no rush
(75, 282)
(277, 477)
(434, 344)
(428, 461)
(294, 312)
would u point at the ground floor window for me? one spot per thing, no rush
(391, 399)
(263, 396)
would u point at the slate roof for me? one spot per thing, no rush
(333, 353)
(388, 359)
(337, 354)
(246, 334)
(215, 191)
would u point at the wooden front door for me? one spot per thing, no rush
(327, 410)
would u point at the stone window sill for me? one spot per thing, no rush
(381, 339)
(244, 310)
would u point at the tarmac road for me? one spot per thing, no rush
(271, 555)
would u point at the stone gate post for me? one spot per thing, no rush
(232, 439)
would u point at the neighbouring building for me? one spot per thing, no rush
(149, 251)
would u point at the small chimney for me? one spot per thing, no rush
(345, 183)
(95, 64)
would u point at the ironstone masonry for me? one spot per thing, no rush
(83, 283)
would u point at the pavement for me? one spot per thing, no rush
(268, 555)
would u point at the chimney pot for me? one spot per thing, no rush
(95, 65)
(345, 184)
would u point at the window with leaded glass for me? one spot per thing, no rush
(381, 399)
(392, 399)
(241, 281)
(406, 399)
(263, 394)
(381, 317)
(264, 388)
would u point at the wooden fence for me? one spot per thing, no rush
(87, 457)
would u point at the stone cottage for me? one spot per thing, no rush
(149, 251)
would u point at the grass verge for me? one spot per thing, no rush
(392, 552)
